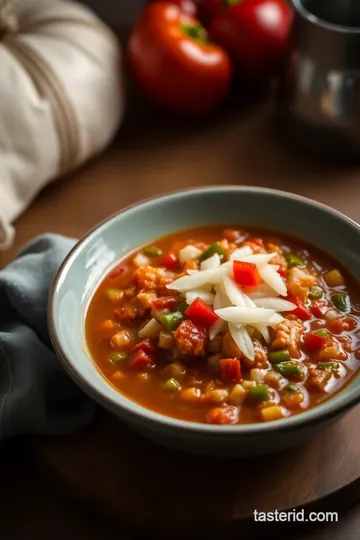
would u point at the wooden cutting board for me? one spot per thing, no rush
(145, 487)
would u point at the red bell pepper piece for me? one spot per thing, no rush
(246, 274)
(199, 312)
(230, 370)
(256, 241)
(165, 302)
(282, 272)
(319, 308)
(141, 360)
(169, 261)
(313, 342)
(118, 270)
(300, 310)
(146, 346)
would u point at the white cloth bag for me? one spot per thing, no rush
(61, 97)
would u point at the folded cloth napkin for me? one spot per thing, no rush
(36, 395)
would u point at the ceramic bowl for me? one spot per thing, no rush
(102, 247)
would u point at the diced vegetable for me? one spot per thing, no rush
(334, 278)
(291, 388)
(246, 274)
(189, 253)
(201, 313)
(165, 302)
(218, 395)
(340, 301)
(191, 395)
(171, 321)
(140, 260)
(269, 414)
(172, 385)
(182, 306)
(146, 346)
(300, 310)
(276, 357)
(294, 260)
(153, 251)
(204, 295)
(314, 342)
(213, 363)
(151, 329)
(107, 326)
(259, 392)
(289, 370)
(315, 293)
(114, 294)
(169, 261)
(176, 369)
(322, 332)
(329, 366)
(141, 360)
(257, 375)
(222, 415)
(166, 340)
(118, 270)
(214, 248)
(319, 308)
(282, 272)
(237, 395)
(230, 370)
(121, 340)
(118, 357)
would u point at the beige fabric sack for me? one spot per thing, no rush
(61, 97)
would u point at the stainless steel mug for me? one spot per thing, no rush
(319, 94)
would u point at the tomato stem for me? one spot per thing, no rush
(195, 31)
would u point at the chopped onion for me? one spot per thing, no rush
(141, 260)
(245, 315)
(263, 330)
(235, 295)
(243, 341)
(275, 320)
(189, 272)
(257, 375)
(199, 293)
(331, 314)
(212, 262)
(272, 278)
(198, 279)
(259, 258)
(221, 300)
(151, 329)
(241, 252)
(188, 253)
(261, 291)
(216, 328)
(275, 303)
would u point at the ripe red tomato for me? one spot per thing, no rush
(254, 32)
(174, 63)
(187, 6)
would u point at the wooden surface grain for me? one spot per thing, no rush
(153, 154)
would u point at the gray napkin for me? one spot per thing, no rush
(36, 396)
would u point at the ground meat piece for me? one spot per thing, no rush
(229, 347)
(331, 351)
(278, 259)
(189, 265)
(288, 335)
(233, 235)
(299, 282)
(223, 415)
(149, 278)
(147, 298)
(131, 310)
(261, 357)
(190, 339)
(318, 379)
(293, 400)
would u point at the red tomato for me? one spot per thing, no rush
(146, 346)
(313, 342)
(199, 312)
(254, 32)
(165, 302)
(208, 9)
(187, 6)
(170, 261)
(141, 360)
(175, 64)
(300, 310)
(230, 370)
(319, 308)
(246, 274)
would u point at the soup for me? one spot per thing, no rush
(226, 326)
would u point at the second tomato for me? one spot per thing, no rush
(255, 33)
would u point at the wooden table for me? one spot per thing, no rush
(154, 154)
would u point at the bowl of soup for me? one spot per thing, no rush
(223, 321)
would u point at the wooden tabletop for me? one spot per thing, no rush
(152, 154)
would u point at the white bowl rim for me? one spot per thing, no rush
(309, 417)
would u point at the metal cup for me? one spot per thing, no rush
(319, 93)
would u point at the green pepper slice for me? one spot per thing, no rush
(315, 293)
(171, 321)
(153, 251)
(276, 357)
(118, 357)
(215, 248)
(259, 392)
(340, 301)
(288, 370)
(172, 385)
(328, 366)
(294, 260)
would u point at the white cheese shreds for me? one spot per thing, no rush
(275, 303)
(237, 254)
(272, 278)
(243, 341)
(212, 262)
(208, 297)
(188, 253)
(245, 315)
